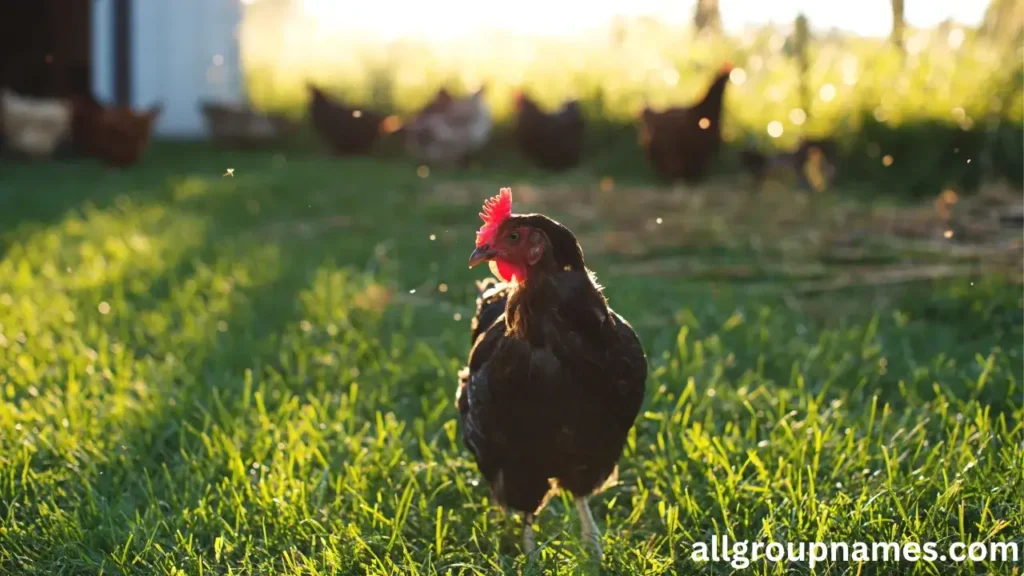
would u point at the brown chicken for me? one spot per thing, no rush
(85, 113)
(681, 143)
(117, 135)
(33, 127)
(553, 141)
(346, 130)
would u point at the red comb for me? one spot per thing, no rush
(496, 209)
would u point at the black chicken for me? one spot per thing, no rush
(555, 377)
(681, 143)
(346, 130)
(553, 141)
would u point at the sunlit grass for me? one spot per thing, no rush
(229, 375)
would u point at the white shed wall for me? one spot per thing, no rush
(183, 52)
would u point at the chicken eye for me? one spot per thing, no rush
(514, 237)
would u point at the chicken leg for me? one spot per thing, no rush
(529, 542)
(590, 535)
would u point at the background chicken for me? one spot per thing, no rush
(117, 135)
(237, 126)
(348, 131)
(449, 129)
(412, 133)
(553, 141)
(125, 134)
(681, 143)
(85, 115)
(555, 378)
(441, 101)
(34, 127)
(813, 163)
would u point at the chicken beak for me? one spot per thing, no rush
(481, 254)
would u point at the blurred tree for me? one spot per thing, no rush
(803, 34)
(1003, 25)
(1004, 21)
(898, 23)
(618, 31)
(706, 16)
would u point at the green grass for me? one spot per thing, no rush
(212, 375)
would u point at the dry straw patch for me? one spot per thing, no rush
(796, 232)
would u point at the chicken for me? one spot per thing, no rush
(235, 126)
(348, 131)
(34, 127)
(553, 141)
(126, 134)
(409, 131)
(117, 135)
(555, 378)
(449, 129)
(441, 100)
(681, 143)
(85, 113)
(813, 162)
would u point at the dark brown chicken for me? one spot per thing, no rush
(85, 114)
(348, 131)
(116, 135)
(681, 143)
(555, 378)
(553, 141)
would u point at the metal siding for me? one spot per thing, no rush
(103, 50)
(151, 56)
(175, 42)
(123, 50)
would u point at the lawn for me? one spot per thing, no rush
(255, 374)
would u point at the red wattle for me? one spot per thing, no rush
(508, 271)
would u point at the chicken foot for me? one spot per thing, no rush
(590, 534)
(529, 540)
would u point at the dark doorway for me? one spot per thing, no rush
(46, 47)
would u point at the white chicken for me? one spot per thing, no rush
(450, 129)
(34, 126)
